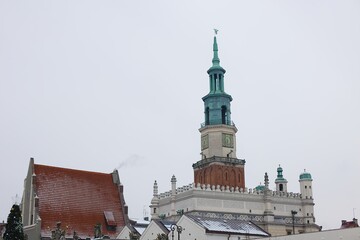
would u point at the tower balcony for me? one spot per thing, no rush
(229, 123)
(225, 160)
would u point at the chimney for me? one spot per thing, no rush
(115, 177)
(126, 209)
(356, 222)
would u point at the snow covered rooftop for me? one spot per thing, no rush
(228, 226)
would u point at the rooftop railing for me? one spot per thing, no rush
(229, 123)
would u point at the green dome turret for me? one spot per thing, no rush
(305, 176)
(260, 188)
(280, 177)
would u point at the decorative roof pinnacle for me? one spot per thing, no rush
(266, 180)
(215, 60)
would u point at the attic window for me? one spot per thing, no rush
(110, 219)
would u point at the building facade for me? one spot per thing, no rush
(219, 189)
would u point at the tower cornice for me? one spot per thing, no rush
(218, 126)
(222, 94)
(224, 160)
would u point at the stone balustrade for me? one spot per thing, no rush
(236, 190)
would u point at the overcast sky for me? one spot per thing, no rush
(99, 85)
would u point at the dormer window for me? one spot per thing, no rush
(110, 219)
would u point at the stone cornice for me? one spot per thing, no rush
(225, 160)
(217, 126)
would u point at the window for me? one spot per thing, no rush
(305, 187)
(223, 114)
(154, 210)
(216, 82)
(220, 82)
(281, 187)
(110, 219)
(207, 116)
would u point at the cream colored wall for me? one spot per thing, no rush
(339, 234)
(215, 140)
(191, 231)
(227, 237)
(232, 202)
(124, 234)
(151, 231)
(33, 231)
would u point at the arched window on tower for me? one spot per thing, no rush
(223, 115)
(216, 82)
(207, 116)
(221, 83)
(281, 187)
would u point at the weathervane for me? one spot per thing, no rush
(216, 31)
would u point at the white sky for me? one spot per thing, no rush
(94, 85)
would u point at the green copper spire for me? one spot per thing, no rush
(217, 102)
(215, 60)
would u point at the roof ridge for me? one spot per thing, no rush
(71, 169)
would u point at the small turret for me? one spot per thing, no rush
(280, 181)
(155, 202)
(268, 213)
(305, 181)
(306, 185)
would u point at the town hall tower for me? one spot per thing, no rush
(219, 164)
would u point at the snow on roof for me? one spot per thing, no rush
(228, 226)
(140, 230)
(164, 225)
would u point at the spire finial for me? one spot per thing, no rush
(215, 60)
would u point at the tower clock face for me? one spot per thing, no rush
(227, 140)
(204, 142)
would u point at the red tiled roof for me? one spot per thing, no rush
(78, 199)
(349, 224)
